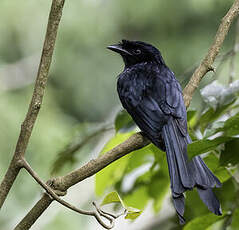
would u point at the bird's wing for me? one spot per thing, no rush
(171, 100)
(152, 100)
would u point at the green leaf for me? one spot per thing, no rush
(123, 121)
(221, 173)
(112, 197)
(138, 198)
(211, 115)
(231, 126)
(211, 161)
(191, 114)
(158, 189)
(114, 172)
(230, 154)
(140, 157)
(215, 128)
(132, 213)
(202, 222)
(235, 220)
(219, 98)
(204, 145)
(159, 179)
(115, 140)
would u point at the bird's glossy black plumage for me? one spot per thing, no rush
(150, 93)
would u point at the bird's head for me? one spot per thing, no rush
(134, 52)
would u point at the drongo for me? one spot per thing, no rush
(151, 94)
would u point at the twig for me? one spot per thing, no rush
(97, 214)
(61, 184)
(36, 101)
(207, 62)
(136, 141)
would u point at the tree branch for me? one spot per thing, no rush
(61, 184)
(137, 140)
(36, 101)
(206, 64)
(97, 214)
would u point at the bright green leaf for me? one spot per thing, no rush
(112, 197)
(222, 174)
(204, 145)
(132, 213)
(114, 172)
(140, 157)
(138, 198)
(192, 119)
(202, 222)
(114, 141)
(211, 161)
(158, 189)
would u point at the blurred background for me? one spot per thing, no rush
(81, 96)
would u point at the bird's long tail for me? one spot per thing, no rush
(185, 174)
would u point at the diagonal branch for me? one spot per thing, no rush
(206, 64)
(36, 101)
(137, 140)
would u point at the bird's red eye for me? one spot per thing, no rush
(137, 52)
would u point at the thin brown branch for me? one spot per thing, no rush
(97, 214)
(137, 141)
(36, 101)
(207, 62)
(61, 184)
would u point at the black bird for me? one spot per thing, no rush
(151, 94)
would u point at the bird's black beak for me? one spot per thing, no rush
(119, 49)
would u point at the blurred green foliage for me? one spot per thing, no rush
(81, 96)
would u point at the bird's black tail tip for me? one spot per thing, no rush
(210, 200)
